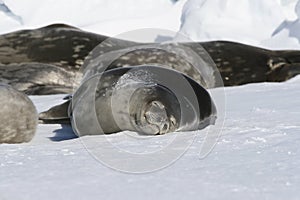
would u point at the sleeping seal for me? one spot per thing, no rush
(147, 99)
(18, 116)
(164, 94)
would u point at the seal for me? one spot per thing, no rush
(146, 99)
(18, 116)
(37, 78)
(112, 54)
(70, 46)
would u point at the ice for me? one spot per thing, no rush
(228, 20)
(287, 35)
(253, 22)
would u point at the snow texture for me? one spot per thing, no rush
(8, 20)
(267, 23)
(288, 32)
(101, 16)
(248, 21)
(220, 22)
(257, 157)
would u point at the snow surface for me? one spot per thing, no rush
(203, 19)
(101, 16)
(255, 22)
(257, 157)
(267, 23)
(287, 34)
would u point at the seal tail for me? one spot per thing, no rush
(56, 115)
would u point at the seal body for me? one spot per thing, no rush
(37, 78)
(143, 99)
(69, 46)
(18, 116)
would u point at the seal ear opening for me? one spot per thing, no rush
(56, 115)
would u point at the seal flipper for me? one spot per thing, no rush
(56, 115)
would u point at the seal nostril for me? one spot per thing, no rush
(165, 127)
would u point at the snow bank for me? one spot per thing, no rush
(8, 21)
(287, 34)
(82, 13)
(247, 21)
(7, 24)
(297, 9)
(288, 8)
(266, 23)
(164, 18)
(100, 16)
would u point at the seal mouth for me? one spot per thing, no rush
(152, 119)
(146, 128)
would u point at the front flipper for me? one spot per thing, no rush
(56, 115)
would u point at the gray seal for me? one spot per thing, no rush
(37, 78)
(70, 46)
(147, 99)
(18, 116)
(160, 96)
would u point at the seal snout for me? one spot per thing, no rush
(156, 116)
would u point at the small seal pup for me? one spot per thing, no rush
(149, 100)
(18, 116)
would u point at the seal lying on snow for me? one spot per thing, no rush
(18, 116)
(68, 46)
(26, 64)
(147, 99)
(150, 99)
(37, 78)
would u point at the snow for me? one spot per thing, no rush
(220, 22)
(256, 157)
(288, 32)
(104, 17)
(7, 20)
(288, 7)
(268, 23)
(253, 22)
